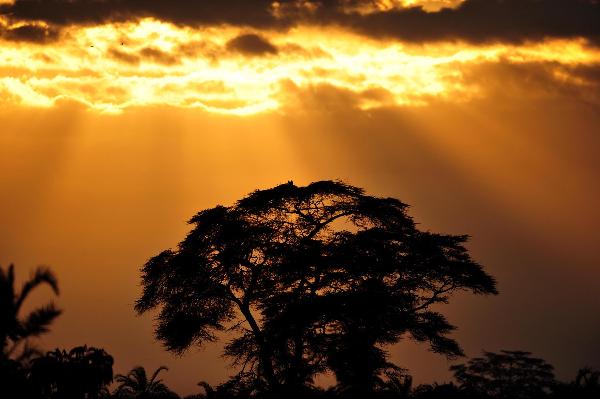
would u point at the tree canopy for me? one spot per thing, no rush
(309, 279)
(82, 372)
(506, 375)
(137, 385)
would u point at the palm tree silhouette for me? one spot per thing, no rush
(209, 392)
(136, 385)
(14, 328)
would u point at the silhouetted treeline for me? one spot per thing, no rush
(87, 373)
(306, 281)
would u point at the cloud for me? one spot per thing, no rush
(251, 44)
(219, 68)
(500, 81)
(29, 33)
(506, 81)
(327, 98)
(484, 21)
(123, 56)
(66, 12)
(158, 56)
(473, 20)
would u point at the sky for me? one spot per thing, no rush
(119, 120)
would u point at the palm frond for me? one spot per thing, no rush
(41, 275)
(158, 370)
(134, 381)
(38, 321)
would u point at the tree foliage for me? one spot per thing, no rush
(137, 385)
(311, 279)
(506, 375)
(585, 386)
(83, 372)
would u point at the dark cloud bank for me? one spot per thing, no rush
(474, 20)
(29, 33)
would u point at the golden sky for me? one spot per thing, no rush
(120, 120)
(231, 70)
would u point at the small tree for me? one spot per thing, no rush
(309, 277)
(506, 375)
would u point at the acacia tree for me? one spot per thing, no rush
(310, 279)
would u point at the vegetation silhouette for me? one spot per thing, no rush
(137, 385)
(311, 279)
(585, 386)
(440, 391)
(82, 372)
(16, 329)
(306, 280)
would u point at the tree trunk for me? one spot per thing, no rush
(264, 352)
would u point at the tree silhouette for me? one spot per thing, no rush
(506, 375)
(13, 380)
(312, 279)
(585, 386)
(14, 328)
(81, 373)
(588, 378)
(209, 392)
(137, 385)
(240, 386)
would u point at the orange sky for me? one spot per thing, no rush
(106, 151)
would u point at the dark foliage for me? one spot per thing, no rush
(137, 385)
(506, 375)
(13, 380)
(441, 391)
(81, 373)
(585, 386)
